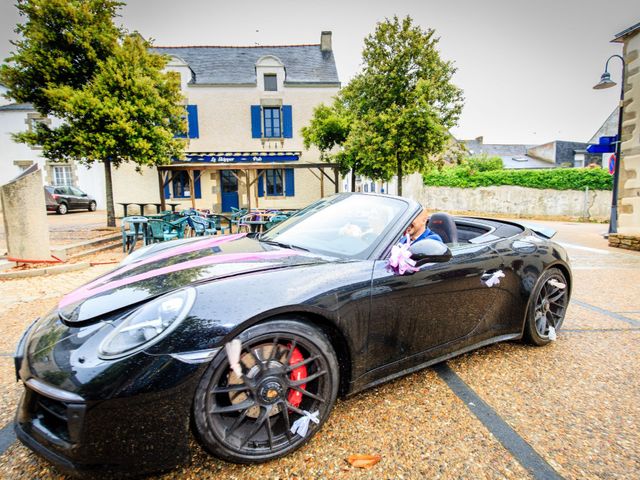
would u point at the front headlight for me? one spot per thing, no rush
(148, 325)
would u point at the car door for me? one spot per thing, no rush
(81, 198)
(426, 313)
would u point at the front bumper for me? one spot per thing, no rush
(127, 436)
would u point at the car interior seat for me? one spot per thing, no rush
(443, 224)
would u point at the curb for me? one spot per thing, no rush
(36, 272)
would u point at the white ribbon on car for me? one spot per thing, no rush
(233, 349)
(301, 425)
(555, 283)
(552, 333)
(400, 260)
(494, 279)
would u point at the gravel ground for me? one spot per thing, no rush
(575, 401)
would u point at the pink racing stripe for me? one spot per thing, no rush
(89, 290)
(161, 256)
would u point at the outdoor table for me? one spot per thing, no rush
(139, 227)
(256, 225)
(219, 215)
(159, 206)
(125, 206)
(141, 205)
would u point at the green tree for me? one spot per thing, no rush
(328, 131)
(115, 102)
(402, 104)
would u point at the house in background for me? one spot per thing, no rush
(17, 157)
(245, 108)
(549, 155)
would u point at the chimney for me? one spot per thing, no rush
(325, 41)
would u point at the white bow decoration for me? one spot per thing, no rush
(400, 260)
(555, 283)
(301, 425)
(494, 279)
(233, 349)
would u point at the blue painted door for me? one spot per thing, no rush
(229, 189)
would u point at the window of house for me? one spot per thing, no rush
(181, 186)
(62, 175)
(274, 182)
(271, 122)
(270, 83)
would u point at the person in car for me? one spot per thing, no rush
(418, 230)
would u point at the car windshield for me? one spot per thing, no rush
(343, 225)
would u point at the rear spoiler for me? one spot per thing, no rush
(539, 229)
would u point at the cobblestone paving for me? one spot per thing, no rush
(575, 402)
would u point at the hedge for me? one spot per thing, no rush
(463, 176)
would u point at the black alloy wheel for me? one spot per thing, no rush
(63, 209)
(288, 368)
(92, 206)
(547, 307)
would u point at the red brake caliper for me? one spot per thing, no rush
(294, 397)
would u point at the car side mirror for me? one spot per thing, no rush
(85, 195)
(429, 251)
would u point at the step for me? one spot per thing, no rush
(91, 251)
(65, 252)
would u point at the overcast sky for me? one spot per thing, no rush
(526, 67)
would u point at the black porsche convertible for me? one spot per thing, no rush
(247, 340)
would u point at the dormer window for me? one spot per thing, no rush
(270, 82)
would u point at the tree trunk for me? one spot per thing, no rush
(399, 175)
(353, 179)
(111, 214)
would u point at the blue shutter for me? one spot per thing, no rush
(165, 180)
(289, 186)
(287, 122)
(260, 184)
(196, 183)
(192, 119)
(256, 122)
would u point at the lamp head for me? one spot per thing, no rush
(605, 82)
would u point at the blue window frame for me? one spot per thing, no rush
(180, 184)
(274, 182)
(271, 121)
(191, 115)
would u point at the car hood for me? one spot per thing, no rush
(161, 270)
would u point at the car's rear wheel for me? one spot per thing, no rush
(289, 370)
(92, 206)
(547, 308)
(63, 209)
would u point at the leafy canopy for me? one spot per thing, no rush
(395, 114)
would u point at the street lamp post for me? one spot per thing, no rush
(606, 82)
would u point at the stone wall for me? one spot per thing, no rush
(629, 195)
(630, 242)
(517, 201)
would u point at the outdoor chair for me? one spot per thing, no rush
(215, 222)
(236, 215)
(201, 226)
(160, 230)
(133, 228)
(274, 220)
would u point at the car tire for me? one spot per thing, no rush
(547, 307)
(62, 209)
(92, 206)
(248, 419)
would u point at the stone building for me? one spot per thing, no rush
(629, 183)
(245, 108)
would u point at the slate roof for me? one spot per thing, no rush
(304, 64)
(27, 107)
(619, 38)
(512, 155)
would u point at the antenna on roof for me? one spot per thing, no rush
(256, 43)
